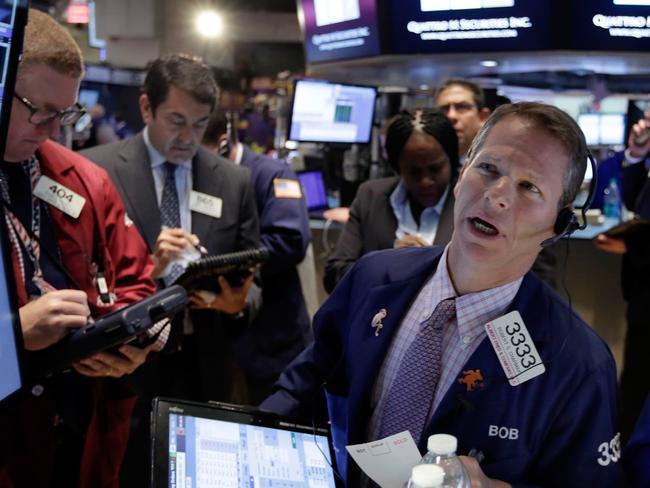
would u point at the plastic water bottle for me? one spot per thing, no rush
(442, 452)
(612, 201)
(426, 476)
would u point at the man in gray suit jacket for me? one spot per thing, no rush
(212, 205)
(181, 196)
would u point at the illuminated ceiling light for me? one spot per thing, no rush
(489, 63)
(424, 87)
(209, 24)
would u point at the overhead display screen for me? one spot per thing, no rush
(339, 29)
(442, 26)
(621, 25)
(331, 112)
(13, 16)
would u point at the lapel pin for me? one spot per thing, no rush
(376, 321)
(472, 378)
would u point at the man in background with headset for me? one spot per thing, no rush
(465, 340)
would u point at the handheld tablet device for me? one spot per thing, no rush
(111, 330)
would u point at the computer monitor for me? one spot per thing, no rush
(13, 18)
(329, 112)
(603, 128)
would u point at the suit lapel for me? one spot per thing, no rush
(396, 298)
(133, 169)
(205, 179)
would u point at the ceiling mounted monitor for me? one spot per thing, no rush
(323, 111)
(610, 25)
(339, 29)
(445, 26)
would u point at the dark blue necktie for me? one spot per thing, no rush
(170, 213)
(410, 397)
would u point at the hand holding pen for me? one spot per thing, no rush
(170, 246)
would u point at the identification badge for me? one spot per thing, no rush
(205, 204)
(514, 348)
(59, 196)
(284, 188)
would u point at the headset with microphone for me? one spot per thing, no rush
(566, 222)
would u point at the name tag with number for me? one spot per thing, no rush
(59, 196)
(205, 204)
(514, 348)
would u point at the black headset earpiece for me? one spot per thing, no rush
(566, 222)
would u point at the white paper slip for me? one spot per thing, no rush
(514, 348)
(388, 462)
(205, 204)
(59, 196)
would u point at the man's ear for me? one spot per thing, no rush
(145, 108)
(484, 113)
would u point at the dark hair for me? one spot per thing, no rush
(217, 126)
(559, 125)
(476, 91)
(427, 120)
(182, 71)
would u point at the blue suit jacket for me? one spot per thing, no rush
(282, 329)
(559, 424)
(637, 452)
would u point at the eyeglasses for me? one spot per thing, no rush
(41, 116)
(460, 107)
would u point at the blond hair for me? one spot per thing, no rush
(47, 42)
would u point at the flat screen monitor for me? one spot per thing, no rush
(603, 129)
(329, 112)
(610, 25)
(444, 26)
(88, 98)
(13, 17)
(217, 445)
(339, 29)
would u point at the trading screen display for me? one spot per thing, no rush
(313, 186)
(610, 25)
(331, 112)
(208, 453)
(10, 375)
(603, 128)
(10, 379)
(339, 29)
(7, 19)
(442, 26)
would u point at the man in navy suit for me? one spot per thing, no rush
(281, 329)
(427, 340)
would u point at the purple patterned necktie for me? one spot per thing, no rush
(170, 213)
(410, 397)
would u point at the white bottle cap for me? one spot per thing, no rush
(442, 444)
(427, 476)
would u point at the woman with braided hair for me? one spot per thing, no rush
(414, 208)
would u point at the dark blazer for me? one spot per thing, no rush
(282, 327)
(560, 427)
(127, 163)
(372, 227)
